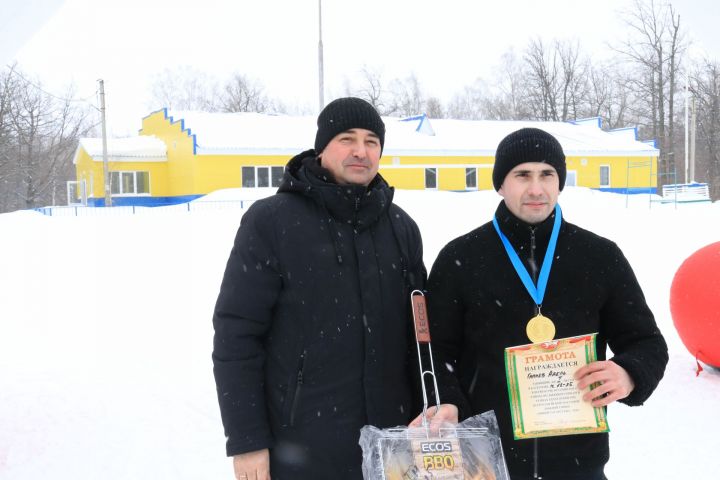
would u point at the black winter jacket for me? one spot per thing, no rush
(312, 323)
(478, 305)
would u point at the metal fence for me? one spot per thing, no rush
(196, 206)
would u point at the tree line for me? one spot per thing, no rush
(641, 85)
(39, 133)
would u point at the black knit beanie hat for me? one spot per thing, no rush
(528, 145)
(344, 114)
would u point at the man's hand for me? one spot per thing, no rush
(444, 413)
(252, 465)
(615, 382)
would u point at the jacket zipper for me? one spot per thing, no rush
(531, 260)
(298, 387)
(533, 267)
(357, 209)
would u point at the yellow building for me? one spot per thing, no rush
(179, 156)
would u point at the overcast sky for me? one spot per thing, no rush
(446, 44)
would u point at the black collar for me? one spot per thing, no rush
(519, 231)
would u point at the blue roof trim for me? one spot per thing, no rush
(579, 121)
(182, 126)
(410, 119)
(416, 117)
(634, 129)
(164, 110)
(652, 142)
(423, 124)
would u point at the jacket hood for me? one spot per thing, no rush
(356, 205)
(292, 181)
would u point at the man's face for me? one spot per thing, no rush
(353, 156)
(531, 191)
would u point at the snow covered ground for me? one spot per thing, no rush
(105, 336)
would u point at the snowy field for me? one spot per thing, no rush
(106, 335)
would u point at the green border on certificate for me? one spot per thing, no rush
(544, 398)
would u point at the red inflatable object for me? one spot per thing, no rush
(695, 304)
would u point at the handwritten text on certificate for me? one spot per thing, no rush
(544, 398)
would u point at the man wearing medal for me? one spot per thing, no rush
(529, 276)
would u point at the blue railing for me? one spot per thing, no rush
(196, 206)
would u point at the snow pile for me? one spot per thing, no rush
(105, 336)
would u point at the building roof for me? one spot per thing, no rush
(142, 148)
(263, 134)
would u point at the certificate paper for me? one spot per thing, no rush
(544, 398)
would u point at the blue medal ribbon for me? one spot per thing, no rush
(537, 293)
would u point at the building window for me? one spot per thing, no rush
(277, 175)
(259, 177)
(604, 175)
(263, 177)
(431, 178)
(77, 192)
(571, 178)
(471, 178)
(248, 177)
(130, 183)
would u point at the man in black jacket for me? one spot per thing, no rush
(312, 323)
(478, 305)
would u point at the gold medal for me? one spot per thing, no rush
(540, 329)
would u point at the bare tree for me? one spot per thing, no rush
(508, 96)
(70, 123)
(510, 103)
(406, 97)
(468, 104)
(402, 97)
(706, 90)
(8, 89)
(556, 78)
(655, 47)
(609, 96)
(30, 119)
(183, 88)
(543, 78)
(241, 94)
(368, 85)
(434, 108)
(677, 47)
(186, 88)
(573, 85)
(39, 136)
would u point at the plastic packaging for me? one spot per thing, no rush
(470, 450)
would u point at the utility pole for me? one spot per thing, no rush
(321, 74)
(693, 125)
(687, 128)
(106, 172)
